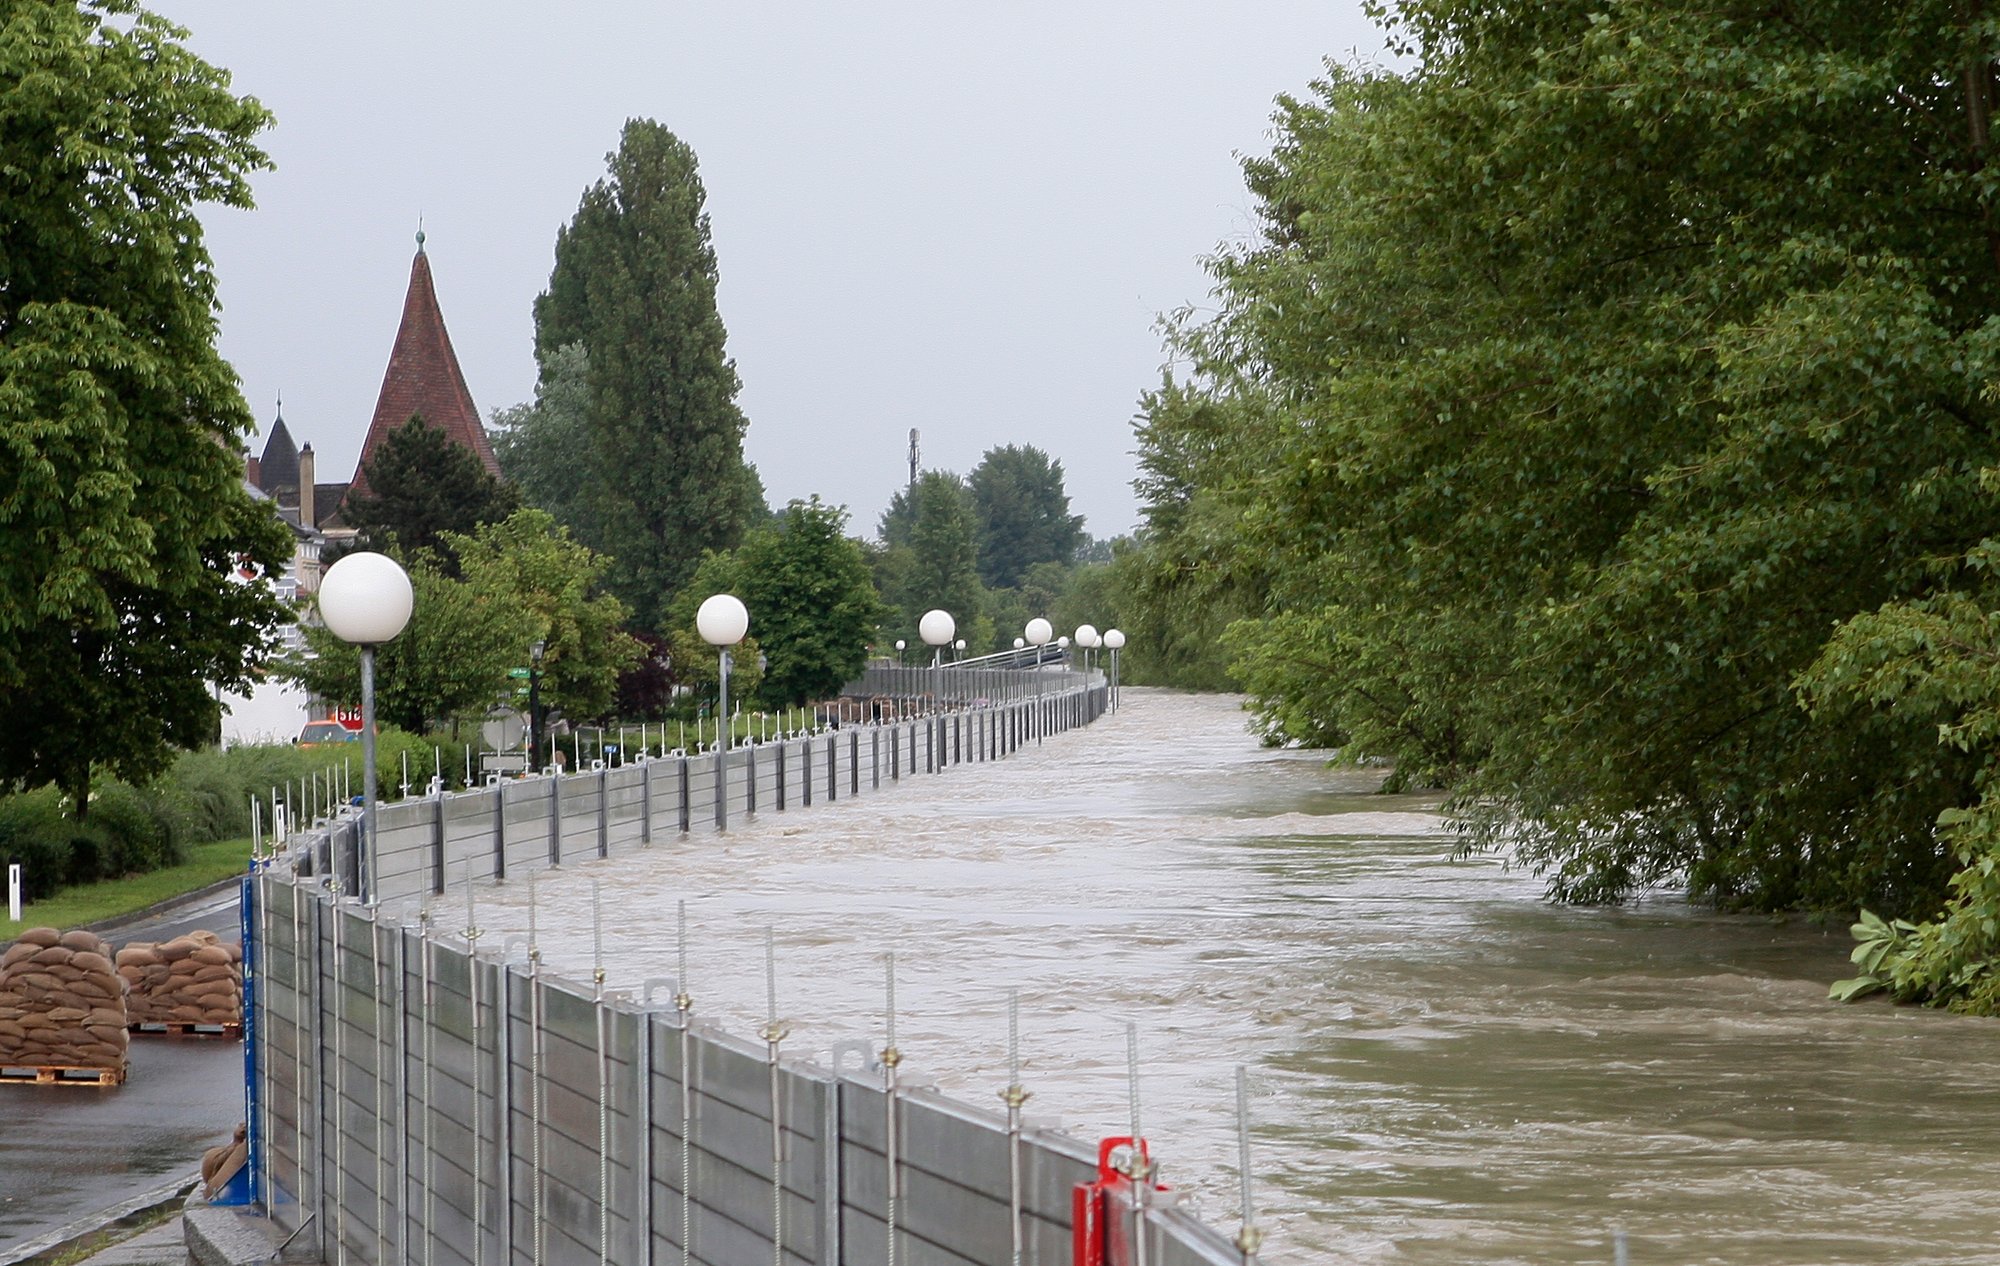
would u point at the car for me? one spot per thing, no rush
(323, 733)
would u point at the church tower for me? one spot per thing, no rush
(423, 378)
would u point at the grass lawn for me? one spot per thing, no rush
(92, 903)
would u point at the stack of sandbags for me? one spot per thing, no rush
(194, 979)
(62, 1004)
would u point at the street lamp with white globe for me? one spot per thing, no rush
(937, 629)
(1038, 632)
(1114, 641)
(722, 621)
(366, 599)
(1086, 637)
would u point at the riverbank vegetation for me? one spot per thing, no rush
(1601, 427)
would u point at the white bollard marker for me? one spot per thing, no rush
(14, 891)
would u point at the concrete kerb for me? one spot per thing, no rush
(167, 1193)
(231, 1235)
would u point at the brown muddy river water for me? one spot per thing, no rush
(1443, 1068)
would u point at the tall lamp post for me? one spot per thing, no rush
(535, 652)
(1115, 640)
(1038, 632)
(366, 599)
(722, 621)
(1086, 637)
(937, 628)
(902, 667)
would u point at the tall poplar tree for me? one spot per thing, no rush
(125, 526)
(634, 285)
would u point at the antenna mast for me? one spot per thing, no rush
(913, 459)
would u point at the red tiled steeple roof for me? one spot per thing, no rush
(423, 378)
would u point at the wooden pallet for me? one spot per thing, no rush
(62, 1075)
(184, 1028)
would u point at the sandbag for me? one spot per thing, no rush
(62, 1003)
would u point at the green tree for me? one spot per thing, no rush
(936, 565)
(1023, 514)
(531, 563)
(1584, 378)
(423, 486)
(450, 662)
(634, 285)
(545, 446)
(124, 521)
(812, 600)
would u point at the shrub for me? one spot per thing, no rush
(35, 834)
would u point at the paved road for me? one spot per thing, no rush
(67, 1152)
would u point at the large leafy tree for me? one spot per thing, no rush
(811, 600)
(450, 662)
(423, 486)
(124, 521)
(634, 285)
(932, 559)
(544, 446)
(1584, 379)
(524, 580)
(1023, 513)
(531, 562)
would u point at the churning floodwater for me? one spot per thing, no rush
(1444, 1068)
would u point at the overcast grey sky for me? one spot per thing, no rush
(962, 219)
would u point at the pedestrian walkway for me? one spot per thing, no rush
(163, 1245)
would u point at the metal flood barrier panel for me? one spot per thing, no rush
(421, 1095)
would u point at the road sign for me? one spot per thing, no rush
(518, 674)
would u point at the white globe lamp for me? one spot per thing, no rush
(366, 599)
(722, 620)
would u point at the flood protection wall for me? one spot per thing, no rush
(421, 1095)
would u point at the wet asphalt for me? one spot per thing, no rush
(67, 1152)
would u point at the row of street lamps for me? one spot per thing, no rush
(366, 599)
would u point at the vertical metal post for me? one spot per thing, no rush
(375, 1001)
(604, 812)
(687, 805)
(1014, 1096)
(398, 999)
(478, 1128)
(499, 832)
(1249, 1239)
(425, 990)
(890, 1058)
(773, 1033)
(684, 1004)
(603, 1076)
(722, 750)
(645, 791)
(555, 817)
(875, 754)
(369, 879)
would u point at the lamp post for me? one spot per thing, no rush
(366, 599)
(1115, 640)
(1038, 632)
(1086, 637)
(902, 666)
(722, 621)
(937, 628)
(535, 703)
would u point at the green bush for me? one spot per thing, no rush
(205, 797)
(132, 829)
(34, 834)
